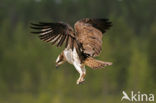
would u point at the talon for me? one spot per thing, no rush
(78, 81)
(82, 80)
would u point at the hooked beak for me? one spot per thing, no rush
(57, 65)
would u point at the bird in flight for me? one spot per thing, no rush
(82, 43)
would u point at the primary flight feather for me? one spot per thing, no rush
(81, 43)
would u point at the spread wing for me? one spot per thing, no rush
(89, 34)
(54, 33)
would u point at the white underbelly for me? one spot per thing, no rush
(71, 56)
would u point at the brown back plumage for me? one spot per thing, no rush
(89, 34)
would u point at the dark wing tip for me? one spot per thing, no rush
(102, 24)
(54, 33)
(35, 24)
(40, 27)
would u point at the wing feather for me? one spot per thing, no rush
(89, 34)
(67, 40)
(100, 24)
(54, 33)
(56, 40)
(62, 40)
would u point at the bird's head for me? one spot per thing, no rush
(60, 60)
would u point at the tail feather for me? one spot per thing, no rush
(96, 64)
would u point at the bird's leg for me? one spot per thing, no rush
(79, 79)
(81, 71)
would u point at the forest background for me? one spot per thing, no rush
(27, 65)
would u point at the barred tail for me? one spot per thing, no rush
(96, 64)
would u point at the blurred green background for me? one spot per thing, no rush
(27, 65)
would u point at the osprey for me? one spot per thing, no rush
(82, 43)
